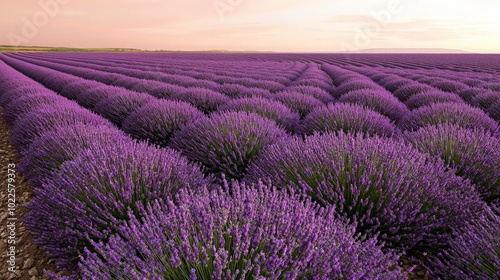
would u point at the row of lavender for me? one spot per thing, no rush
(481, 92)
(481, 87)
(247, 134)
(106, 203)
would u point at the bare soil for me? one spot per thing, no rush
(29, 260)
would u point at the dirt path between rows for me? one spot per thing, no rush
(29, 260)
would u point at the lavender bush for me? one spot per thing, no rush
(298, 102)
(205, 100)
(494, 111)
(20, 91)
(384, 186)
(405, 92)
(347, 118)
(316, 92)
(45, 118)
(469, 93)
(454, 113)
(246, 233)
(75, 89)
(357, 84)
(227, 142)
(474, 252)
(270, 109)
(239, 91)
(49, 151)
(485, 100)
(117, 108)
(472, 153)
(23, 105)
(431, 97)
(163, 91)
(377, 100)
(392, 84)
(88, 197)
(450, 86)
(158, 120)
(90, 98)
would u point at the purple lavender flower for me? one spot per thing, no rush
(239, 91)
(205, 100)
(342, 117)
(298, 102)
(316, 92)
(91, 97)
(89, 196)
(157, 90)
(358, 84)
(49, 151)
(450, 86)
(21, 91)
(405, 92)
(227, 142)
(57, 82)
(47, 117)
(469, 93)
(117, 108)
(393, 82)
(158, 120)
(431, 97)
(241, 233)
(270, 109)
(383, 186)
(454, 113)
(377, 100)
(494, 111)
(25, 104)
(485, 100)
(474, 252)
(73, 90)
(472, 153)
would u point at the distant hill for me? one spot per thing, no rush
(410, 50)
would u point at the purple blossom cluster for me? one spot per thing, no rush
(347, 118)
(205, 100)
(47, 117)
(49, 151)
(404, 93)
(252, 232)
(384, 186)
(89, 196)
(273, 110)
(472, 153)
(474, 252)
(117, 108)
(226, 143)
(427, 98)
(158, 120)
(298, 102)
(454, 113)
(377, 100)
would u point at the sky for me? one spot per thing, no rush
(253, 25)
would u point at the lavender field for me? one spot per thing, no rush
(259, 166)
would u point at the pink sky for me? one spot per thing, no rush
(262, 25)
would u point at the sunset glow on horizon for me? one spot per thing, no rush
(257, 25)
